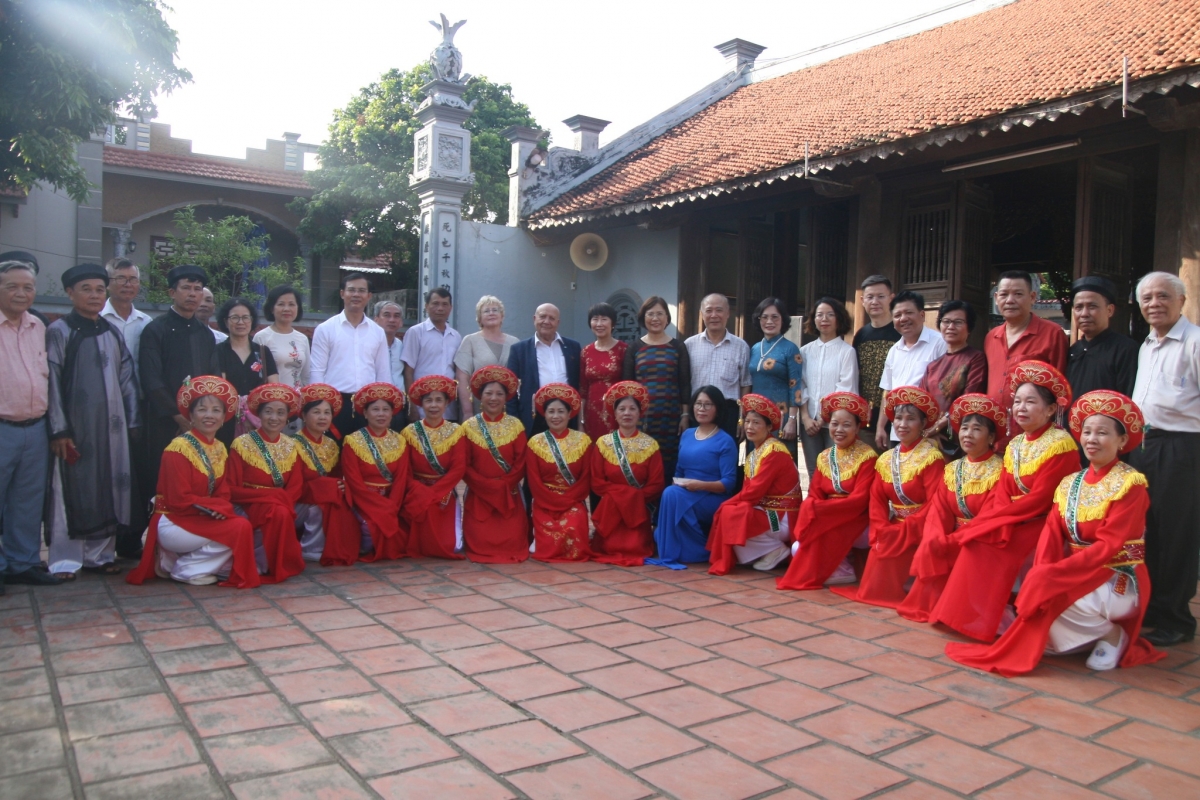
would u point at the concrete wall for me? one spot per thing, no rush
(46, 226)
(504, 261)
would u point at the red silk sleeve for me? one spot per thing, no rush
(655, 482)
(238, 473)
(992, 525)
(180, 483)
(420, 498)
(539, 473)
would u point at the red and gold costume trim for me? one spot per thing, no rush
(502, 431)
(845, 401)
(1054, 442)
(978, 476)
(767, 409)
(849, 459)
(573, 446)
(441, 438)
(619, 391)
(327, 452)
(391, 446)
(316, 392)
(433, 383)
(911, 396)
(1095, 498)
(272, 393)
(557, 391)
(981, 404)
(378, 391)
(207, 386)
(1110, 404)
(215, 450)
(912, 463)
(1039, 373)
(283, 452)
(638, 449)
(494, 373)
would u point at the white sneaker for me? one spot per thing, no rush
(795, 548)
(843, 575)
(1104, 656)
(202, 580)
(533, 546)
(772, 559)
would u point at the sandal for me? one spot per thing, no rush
(65, 577)
(104, 569)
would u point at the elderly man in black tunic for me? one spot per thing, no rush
(174, 347)
(93, 406)
(1102, 358)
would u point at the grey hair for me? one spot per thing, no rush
(115, 264)
(487, 300)
(382, 304)
(728, 305)
(8, 266)
(1174, 281)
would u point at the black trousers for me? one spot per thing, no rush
(727, 418)
(1171, 463)
(346, 421)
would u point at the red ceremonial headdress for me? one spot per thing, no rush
(911, 396)
(206, 386)
(768, 409)
(1039, 373)
(274, 392)
(316, 392)
(378, 391)
(557, 391)
(845, 401)
(980, 404)
(495, 374)
(433, 383)
(1110, 404)
(622, 389)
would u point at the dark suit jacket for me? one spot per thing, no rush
(522, 359)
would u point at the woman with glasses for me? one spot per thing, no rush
(962, 370)
(241, 362)
(776, 366)
(830, 365)
(486, 347)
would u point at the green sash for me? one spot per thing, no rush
(623, 460)
(208, 467)
(261, 444)
(563, 469)
(380, 464)
(487, 437)
(427, 448)
(312, 453)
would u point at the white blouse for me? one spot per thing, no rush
(828, 367)
(291, 353)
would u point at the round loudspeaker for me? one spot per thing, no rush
(589, 252)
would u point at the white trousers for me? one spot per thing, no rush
(758, 546)
(71, 555)
(186, 555)
(310, 527)
(1091, 617)
(260, 552)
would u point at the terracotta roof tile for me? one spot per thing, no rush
(200, 167)
(1008, 58)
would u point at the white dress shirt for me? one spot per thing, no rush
(905, 365)
(828, 367)
(131, 329)
(348, 357)
(218, 335)
(430, 351)
(1168, 379)
(725, 365)
(552, 364)
(396, 360)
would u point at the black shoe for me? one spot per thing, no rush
(32, 576)
(1, 584)
(133, 556)
(1161, 637)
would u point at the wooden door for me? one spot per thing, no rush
(1104, 228)
(755, 261)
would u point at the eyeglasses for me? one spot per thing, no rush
(953, 323)
(237, 319)
(704, 405)
(356, 290)
(123, 281)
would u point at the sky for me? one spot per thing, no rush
(262, 67)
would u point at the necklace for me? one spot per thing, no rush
(762, 356)
(700, 438)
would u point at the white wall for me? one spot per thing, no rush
(46, 227)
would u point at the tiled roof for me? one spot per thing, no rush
(199, 167)
(1020, 55)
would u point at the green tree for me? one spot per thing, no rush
(362, 201)
(229, 250)
(67, 67)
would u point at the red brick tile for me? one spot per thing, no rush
(306, 604)
(194, 783)
(247, 620)
(538, 602)
(887, 695)
(466, 604)
(30, 713)
(378, 752)
(457, 779)
(1038, 784)
(160, 620)
(88, 618)
(76, 662)
(629, 680)
(86, 638)
(502, 620)
(756, 651)
(861, 729)
(711, 774)
(786, 700)
(753, 736)
(82, 688)
(466, 712)
(23, 657)
(820, 673)
(34, 681)
(1080, 761)
(571, 712)
(656, 616)
(113, 716)
(807, 611)
(833, 773)
(327, 781)
(917, 790)
(509, 591)
(396, 658)
(235, 715)
(686, 600)
(987, 692)
(317, 621)
(903, 667)
(227, 603)
(416, 685)
(578, 617)
(758, 597)
(612, 603)
(732, 614)
(838, 647)
(1060, 715)
(416, 619)
(967, 723)
(578, 590)
(450, 637)
(647, 588)
(345, 640)
(1152, 782)
(861, 626)
(1171, 749)
(345, 715)
(918, 643)
(253, 640)
(479, 578)
(488, 658)
(685, 705)
(247, 755)
(519, 746)
(666, 653)
(619, 634)
(181, 638)
(536, 637)
(579, 657)
(527, 682)
(778, 629)
(1178, 715)
(197, 659)
(586, 778)
(547, 577)
(388, 603)
(294, 659)
(722, 675)
(1175, 684)
(1065, 683)
(953, 765)
(704, 633)
(108, 757)
(320, 684)
(635, 742)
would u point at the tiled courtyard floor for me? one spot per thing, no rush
(418, 679)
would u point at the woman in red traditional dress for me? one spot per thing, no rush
(329, 531)
(494, 523)
(1000, 541)
(437, 461)
(265, 481)
(1088, 587)
(600, 366)
(559, 479)
(834, 515)
(194, 535)
(966, 484)
(627, 475)
(755, 524)
(906, 479)
(375, 469)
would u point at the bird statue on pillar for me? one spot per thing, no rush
(446, 59)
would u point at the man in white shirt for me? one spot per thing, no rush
(906, 361)
(1168, 392)
(390, 316)
(124, 283)
(546, 357)
(204, 312)
(720, 359)
(349, 351)
(429, 347)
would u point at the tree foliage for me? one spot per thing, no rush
(230, 250)
(67, 67)
(363, 202)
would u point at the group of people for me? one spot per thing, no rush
(240, 459)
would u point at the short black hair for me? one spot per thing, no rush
(780, 307)
(1047, 396)
(273, 298)
(356, 276)
(909, 296)
(227, 308)
(958, 305)
(439, 291)
(876, 280)
(307, 407)
(1016, 275)
(839, 311)
(651, 302)
(988, 422)
(916, 410)
(713, 393)
(602, 310)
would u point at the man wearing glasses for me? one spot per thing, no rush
(962, 370)
(124, 283)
